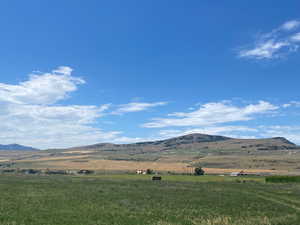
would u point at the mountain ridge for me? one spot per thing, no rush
(199, 140)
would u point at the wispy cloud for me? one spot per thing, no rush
(212, 114)
(137, 106)
(212, 130)
(279, 42)
(292, 133)
(291, 103)
(290, 25)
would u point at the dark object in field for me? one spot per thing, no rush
(55, 172)
(30, 171)
(8, 171)
(199, 171)
(283, 179)
(237, 174)
(156, 178)
(149, 171)
(85, 172)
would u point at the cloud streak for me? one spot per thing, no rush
(276, 44)
(137, 107)
(212, 114)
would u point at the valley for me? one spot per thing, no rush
(217, 154)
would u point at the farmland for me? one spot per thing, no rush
(217, 154)
(273, 162)
(133, 199)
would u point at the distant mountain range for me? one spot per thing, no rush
(187, 142)
(16, 147)
(173, 154)
(198, 142)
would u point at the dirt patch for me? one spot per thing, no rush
(54, 158)
(115, 165)
(78, 152)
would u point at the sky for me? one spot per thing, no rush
(79, 72)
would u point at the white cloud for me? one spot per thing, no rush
(275, 44)
(65, 70)
(137, 106)
(45, 89)
(130, 139)
(286, 105)
(290, 25)
(291, 104)
(211, 130)
(29, 114)
(51, 126)
(265, 50)
(212, 114)
(296, 37)
(292, 133)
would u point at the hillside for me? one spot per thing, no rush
(217, 154)
(199, 142)
(16, 147)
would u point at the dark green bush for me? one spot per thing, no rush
(149, 171)
(282, 179)
(199, 171)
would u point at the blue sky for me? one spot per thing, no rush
(76, 73)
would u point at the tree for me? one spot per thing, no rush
(149, 171)
(199, 171)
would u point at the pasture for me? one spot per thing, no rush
(179, 161)
(136, 200)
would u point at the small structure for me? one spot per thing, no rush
(72, 172)
(141, 172)
(86, 172)
(156, 178)
(237, 174)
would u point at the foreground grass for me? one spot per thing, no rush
(129, 199)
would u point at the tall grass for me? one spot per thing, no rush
(90, 200)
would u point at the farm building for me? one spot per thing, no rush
(141, 172)
(236, 174)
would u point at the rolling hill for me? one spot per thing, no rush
(199, 142)
(217, 154)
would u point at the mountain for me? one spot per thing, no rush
(199, 142)
(173, 154)
(16, 147)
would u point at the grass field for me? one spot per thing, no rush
(136, 200)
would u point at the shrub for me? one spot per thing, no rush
(199, 171)
(149, 171)
(283, 179)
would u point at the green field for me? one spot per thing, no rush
(132, 199)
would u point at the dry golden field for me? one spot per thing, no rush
(78, 162)
(177, 161)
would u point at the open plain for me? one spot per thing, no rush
(136, 200)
